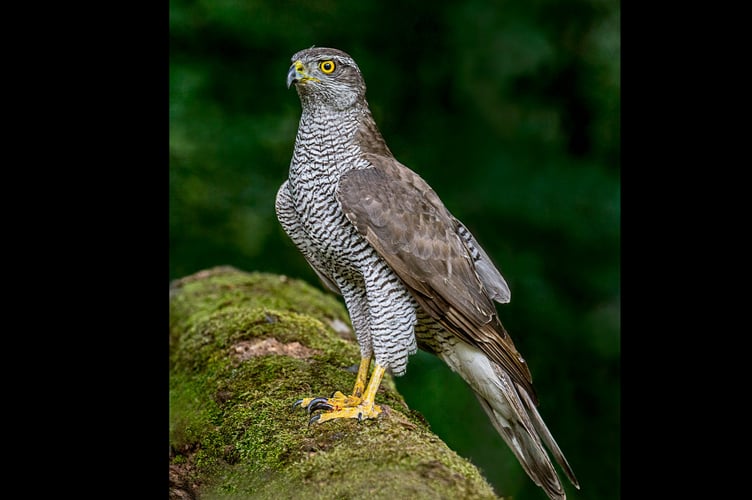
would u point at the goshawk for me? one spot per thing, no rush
(411, 275)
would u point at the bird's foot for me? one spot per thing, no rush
(339, 406)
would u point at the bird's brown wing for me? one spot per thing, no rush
(405, 221)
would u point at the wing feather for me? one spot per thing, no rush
(407, 224)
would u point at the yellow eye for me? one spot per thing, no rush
(327, 67)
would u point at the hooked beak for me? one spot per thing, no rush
(297, 74)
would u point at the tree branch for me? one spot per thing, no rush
(243, 348)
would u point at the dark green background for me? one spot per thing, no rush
(509, 109)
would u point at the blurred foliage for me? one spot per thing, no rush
(510, 110)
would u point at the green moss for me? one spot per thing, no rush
(216, 308)
(232, 420)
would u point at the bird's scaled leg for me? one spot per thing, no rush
(360, 381)
(359, 405)
(338, 399)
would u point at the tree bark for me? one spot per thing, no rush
(243, 348)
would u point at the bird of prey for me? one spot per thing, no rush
(411, 275)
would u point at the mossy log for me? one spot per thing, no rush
(243, 348)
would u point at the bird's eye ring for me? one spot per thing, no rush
(327, 67)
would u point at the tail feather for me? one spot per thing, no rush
(529, 451)
(548, 438)
(513, 413)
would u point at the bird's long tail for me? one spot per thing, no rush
(515, 417)
(526, 433)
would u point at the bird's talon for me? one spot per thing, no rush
(314, 419)
(319, 405)
(297, 403)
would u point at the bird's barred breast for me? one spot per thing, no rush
(319, 159)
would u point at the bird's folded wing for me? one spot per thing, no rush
(405, 221)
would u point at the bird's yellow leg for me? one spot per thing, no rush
(360, 382)
(340, 400)
(365, 409)
(354, 406)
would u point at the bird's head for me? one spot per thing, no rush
(326, 77)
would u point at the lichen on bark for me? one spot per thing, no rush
(243, 347)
